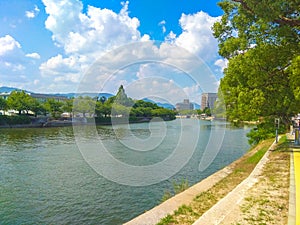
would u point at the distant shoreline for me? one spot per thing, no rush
(68, 123)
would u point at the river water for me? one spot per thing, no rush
(44, 178)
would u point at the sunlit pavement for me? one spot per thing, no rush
(296, 154)
(294, 199)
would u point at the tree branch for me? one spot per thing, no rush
(244, 5)
(282, 20)
(287, 21)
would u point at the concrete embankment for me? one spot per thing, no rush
(154, 215)
(39, 125)
(22, 126)
(77, 121)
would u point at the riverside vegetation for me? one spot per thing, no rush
(103, 109)
(262, 79)
(269, 204)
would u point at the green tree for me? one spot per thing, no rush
(207, 111)
(54, 107)
(102, 99)
(144, 104)
(294, 72)
(118, 109)
(261, 42)
(163, 113)
(3, 104)
(103, 109)
(35, 106)
(84, 105)
(188, 112)
(19, 101)
(68, 106)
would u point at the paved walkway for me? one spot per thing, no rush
(294, 199)
(296, 154)
(226, 206)
(292, 196)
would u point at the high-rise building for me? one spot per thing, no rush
(185, 105)
(208, 100)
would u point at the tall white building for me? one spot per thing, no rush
(208, 100)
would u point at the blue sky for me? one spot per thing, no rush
(49, 45)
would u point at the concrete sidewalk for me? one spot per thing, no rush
(294, 206)
(294, 198)
(224, 208)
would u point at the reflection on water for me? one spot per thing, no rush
(44, 178)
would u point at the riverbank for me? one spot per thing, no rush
(46, 123)
(265, 199)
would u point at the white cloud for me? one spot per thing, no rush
(30, 14)
(150, 70)
(171, 37)
(92, 32)
(156, 88)
(12, 57)
(33, 13)
(87, 36)
(58, 65)
(163, 27)
(36, 82)
(194, 93)
(221, 63)
(33, 55)
(12, 62)
(197, 35)
(8, 44)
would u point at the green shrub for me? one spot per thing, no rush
(14, 120)
(264, 131)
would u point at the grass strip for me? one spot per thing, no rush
(187, 214)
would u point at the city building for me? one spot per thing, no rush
(208, 100)
(185, 105)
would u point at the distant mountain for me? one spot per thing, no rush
(92, 95)
(68, 95)
(164, 105)
(8, 89)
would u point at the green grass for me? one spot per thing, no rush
(167, 220)
(178, 187)
(254, 159)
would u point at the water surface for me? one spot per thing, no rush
(44, 179)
